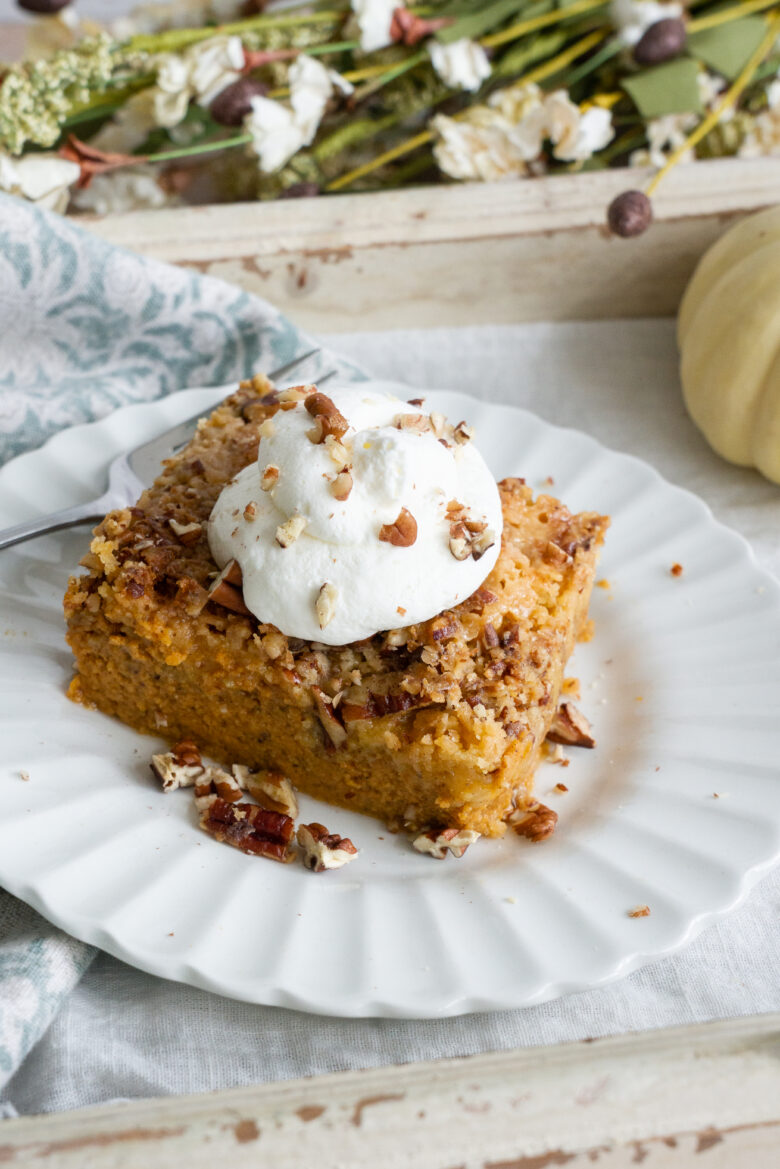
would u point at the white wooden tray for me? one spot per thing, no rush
(463, 254)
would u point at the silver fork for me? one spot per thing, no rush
(130, 473)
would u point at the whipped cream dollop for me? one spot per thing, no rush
(362, 513)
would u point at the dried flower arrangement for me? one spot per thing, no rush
(242, 100)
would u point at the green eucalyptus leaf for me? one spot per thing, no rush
(729, 47)
(667, 89)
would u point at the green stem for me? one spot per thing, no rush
(192, 151)
(371, 87)
(180, 38)
(336, 47)
(611, 49)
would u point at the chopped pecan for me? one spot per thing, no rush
(416, 423)
(535, 822)
(269, 477)
(554, 554)
(490, 636)
(416, 402)
(570, 727)
(482, 542)
(226, 589)
(296, 394)
(468, 536)
(271, 789)
(325, 605)
(337, 451)
(324, 850)
(328, 419)
(443, 840)
(402, 533)
(251, 829)
(288, 532)
(332, 725)
(187, 754)
(443, 627)
(342, 485)
(186, 533)
(213, 784)
(439, 424)
(175, 771)
(463, 433)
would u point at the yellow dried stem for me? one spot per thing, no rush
(543, 21)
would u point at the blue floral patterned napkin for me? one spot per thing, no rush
(86, 327)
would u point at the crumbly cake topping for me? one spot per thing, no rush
(466, 673)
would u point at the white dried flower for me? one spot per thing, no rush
(665, 135)
(200, 72)
(374, 18)
(576, 134)
(129, 189)
(279, 131)
(503, 138)
(522, 108)
(476, 147)
(311, 86)
(276, 136)
(461, 64)
(632, 18)
(44, 179)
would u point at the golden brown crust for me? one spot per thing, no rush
(439, 723)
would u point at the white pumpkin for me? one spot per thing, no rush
(729, 336)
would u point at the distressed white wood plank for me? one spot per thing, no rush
(661, 1098)
(471, 253)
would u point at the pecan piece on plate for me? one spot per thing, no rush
(216, 784)
(271, 789)
(324, 850)
(180, 767)
(570, 727)
(535, 822)
(439, 842)
(253, 830)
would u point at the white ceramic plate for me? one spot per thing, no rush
(682, 684)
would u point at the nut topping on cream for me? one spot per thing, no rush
(359, 500)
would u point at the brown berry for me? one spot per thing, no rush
(661, 41)
(630, 214)
(43, 7)
(234, 102)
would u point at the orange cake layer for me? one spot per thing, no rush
(438, 724)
